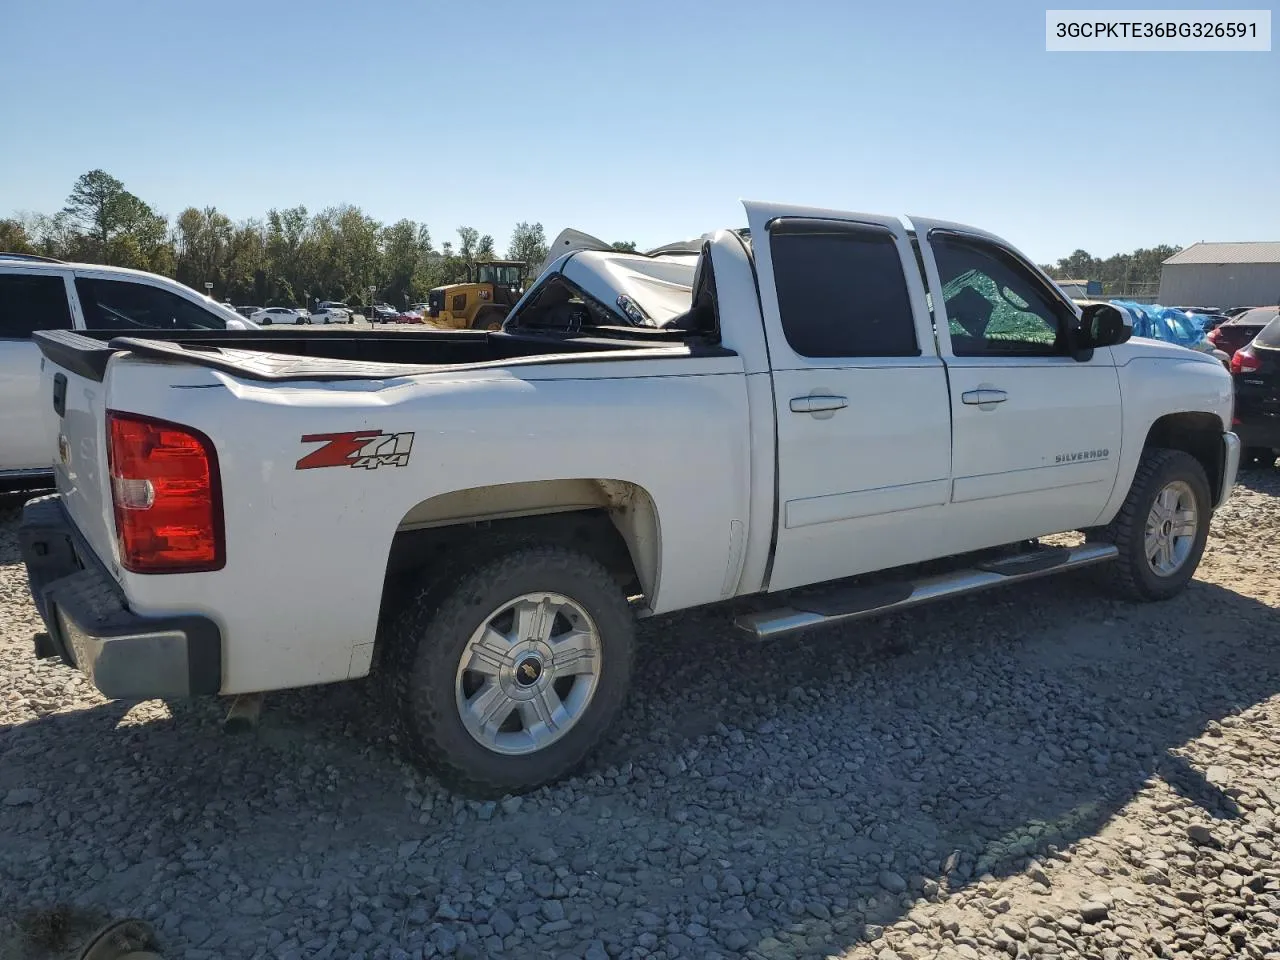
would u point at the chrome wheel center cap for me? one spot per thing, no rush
(528, 671)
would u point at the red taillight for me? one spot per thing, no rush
(166, 495)
(1242, 361)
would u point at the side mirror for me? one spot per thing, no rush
(1102, 325)
(233, 324)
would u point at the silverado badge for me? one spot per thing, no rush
(1077, 455)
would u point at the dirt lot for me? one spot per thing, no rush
(1044, 772)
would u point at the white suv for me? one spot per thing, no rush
(37, 293)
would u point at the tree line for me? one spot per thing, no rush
(1121, 274)
(290, 257)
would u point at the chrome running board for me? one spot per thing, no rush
(845, 603)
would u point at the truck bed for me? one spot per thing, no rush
(277, 355)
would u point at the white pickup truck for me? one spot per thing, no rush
(842, 394)
(37, 293)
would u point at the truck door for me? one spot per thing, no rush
(1036, 431)
(860, 394)
(30, 299)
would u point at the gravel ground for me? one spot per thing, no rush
(1039, 772)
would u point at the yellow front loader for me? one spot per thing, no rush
(483, 302)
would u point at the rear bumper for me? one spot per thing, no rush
(90, 626)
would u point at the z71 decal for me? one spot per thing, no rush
(369, 449)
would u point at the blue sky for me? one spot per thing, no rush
(645, 120)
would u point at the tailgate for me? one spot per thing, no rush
(73, 382)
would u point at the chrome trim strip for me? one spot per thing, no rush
(774, 623)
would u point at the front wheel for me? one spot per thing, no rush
(490, 320)
(1161, 528)
(510, 673)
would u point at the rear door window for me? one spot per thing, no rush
(841, 290)
(31, 302)
(125, 305)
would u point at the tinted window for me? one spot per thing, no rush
(507, 276)
(124, 305)
(841, 291)
(1255, 317)
(995, 305)
(30, 302)
(1270, 335)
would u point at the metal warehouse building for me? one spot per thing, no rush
(1222, 275)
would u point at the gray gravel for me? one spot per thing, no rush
(1045, 772)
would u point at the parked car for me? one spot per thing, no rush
(409, 316)
(37, 293)
(1255, 367)
(383, 313)
(645, 434)
(269, 316)
(247, 311)
(1240, 329)
(330, 311)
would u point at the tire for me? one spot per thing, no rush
(266, 321)
(488, 320)
(441, 625)
(1257, 458)
(1180, 478)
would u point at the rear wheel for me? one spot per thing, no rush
(510, 673)
(1162, 527)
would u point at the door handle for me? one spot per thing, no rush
(983, 397)
(818, 404)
